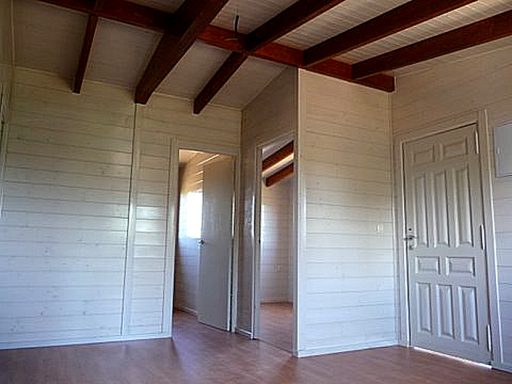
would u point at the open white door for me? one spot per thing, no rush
(213, 301)
(446, 247)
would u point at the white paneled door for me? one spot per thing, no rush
(213, 301)
(445, 245)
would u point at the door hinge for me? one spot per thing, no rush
(482, 237)
(477, 143)
(489, 337)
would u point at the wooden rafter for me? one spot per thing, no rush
(481, 32)
(228, 68)
(393, 21)
(194, 16)
(279, 175)
(291, 18)
(279, 155)
(90, 30)
(157, 20)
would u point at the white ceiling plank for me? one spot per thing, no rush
(120, 53)
(48, 38)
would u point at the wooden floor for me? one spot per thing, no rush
(199, 354)
(276, 324)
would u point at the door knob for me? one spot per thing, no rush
(200, 242)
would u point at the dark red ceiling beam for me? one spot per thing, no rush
(393, 21)
(291, 18)
(194, 16)
(221, 77)
(481, 32)
(279, 175)
(90, 31)
(153, 19)
(278, 156)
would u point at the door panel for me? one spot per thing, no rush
(214, 292)
(446, 256)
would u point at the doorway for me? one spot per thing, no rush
(445, 244)
(204, 237)
(275, 305)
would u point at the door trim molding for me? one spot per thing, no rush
(172, 219)
(439, 126)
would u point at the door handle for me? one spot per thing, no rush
(200, 242)
(410, 237)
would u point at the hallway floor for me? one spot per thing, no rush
(200, 354)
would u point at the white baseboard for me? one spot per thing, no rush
(343, 348)
(81, 341)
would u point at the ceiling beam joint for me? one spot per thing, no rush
(194, 16)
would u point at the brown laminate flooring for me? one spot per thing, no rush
(276, 324)
(200, 354)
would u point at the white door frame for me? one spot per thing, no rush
(172, 226)
(256, 297)
(480, 119)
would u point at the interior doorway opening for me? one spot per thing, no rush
(204, 237)
(276, 246)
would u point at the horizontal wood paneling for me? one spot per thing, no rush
(276, 242)
(65, 223)
(448, 90)
(347, 268)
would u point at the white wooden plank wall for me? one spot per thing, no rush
(64, 230)
(272, 114)
(448, 90)
(63, 227)
(276, 242)
(347, 269)
(187, 248)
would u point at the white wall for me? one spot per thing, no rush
(77, 264)
(448, 90)
(346, 264)
(276, 242)
(272, 114)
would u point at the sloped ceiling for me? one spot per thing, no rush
(49, 38)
